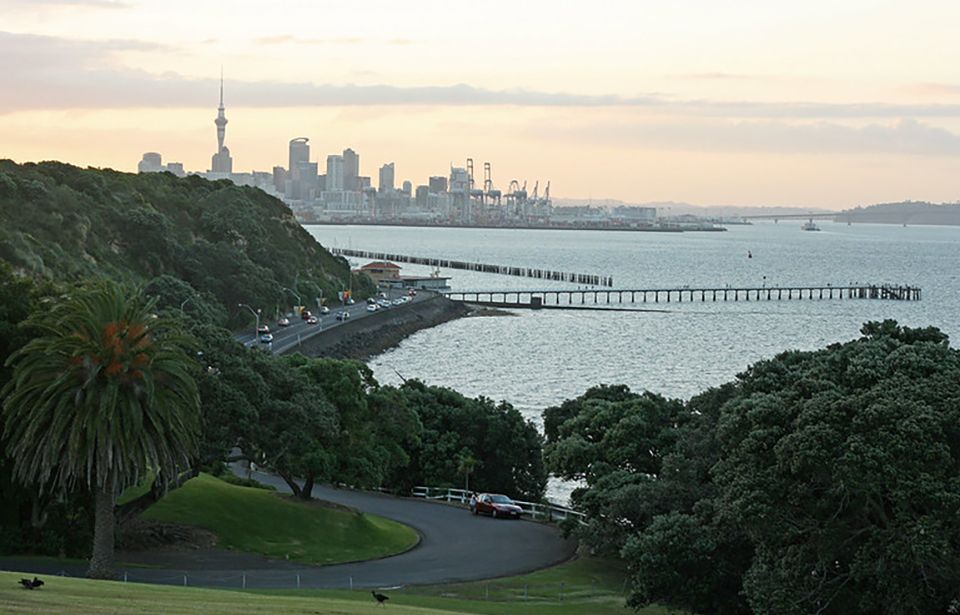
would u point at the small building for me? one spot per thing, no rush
(381, 271)
(420, 282)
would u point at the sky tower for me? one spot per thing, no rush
(221, 163)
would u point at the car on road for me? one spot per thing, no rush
(411, 293)
(324, 310)
(372, 307)
(266, 338)
(343, 315)
(305, 314)
(496, 505)
(313, 320)
(263, 329)
(350, 301)
(398, 301)
(384, 303)
(283, 322)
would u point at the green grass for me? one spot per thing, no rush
(259, 521)
(80, 597)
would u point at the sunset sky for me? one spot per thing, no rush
(817, 103)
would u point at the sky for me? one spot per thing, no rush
(826, 104)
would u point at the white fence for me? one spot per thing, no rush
(540, 512)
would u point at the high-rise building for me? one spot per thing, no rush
(386, 177)
(407, 187)
(422, 193)
(335, 173)
(151, 162)
(299, 152)
(351, 169)
(438, 184)
(221, 162)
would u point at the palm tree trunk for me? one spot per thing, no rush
(101, 562)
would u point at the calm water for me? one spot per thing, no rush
(537, 359)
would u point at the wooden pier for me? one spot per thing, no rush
(524, 272)
(599, 297)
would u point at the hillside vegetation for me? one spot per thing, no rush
(214, 242)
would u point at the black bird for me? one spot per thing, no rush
(380, 598)
(28, 584)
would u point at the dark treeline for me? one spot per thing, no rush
(212, 245)
(816, 482)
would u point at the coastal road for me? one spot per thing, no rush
(455, 546)
(287, 338)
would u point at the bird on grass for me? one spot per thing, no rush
(34, 584)
(380, 598)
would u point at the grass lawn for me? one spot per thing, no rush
(77, 596)
(259, 521)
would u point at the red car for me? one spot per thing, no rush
(496, 505)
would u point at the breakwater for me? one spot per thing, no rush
(523, 272)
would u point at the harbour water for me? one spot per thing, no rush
(537, 359)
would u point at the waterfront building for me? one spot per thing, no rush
(380, 271)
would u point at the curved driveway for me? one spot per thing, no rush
(455, 546)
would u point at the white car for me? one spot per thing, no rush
(372, 307)
(398, 301)
(324, 310)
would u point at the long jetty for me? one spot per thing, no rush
(598, 297)
(523, 272)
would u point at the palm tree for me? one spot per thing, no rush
(100, 398)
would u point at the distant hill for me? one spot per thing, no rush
(230, 244)
(908, 212)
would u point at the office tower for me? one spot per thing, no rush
(407, 187)
(386, 177)
(299, 152)
(221, 162)
(438, 184)
(422, 194)
(150, 163)
(351, 169)
(335, 173)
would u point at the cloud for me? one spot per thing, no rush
(286, 39)
(905, 137)
(44, 72)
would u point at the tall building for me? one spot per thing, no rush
(335, 173)
(438, 184)
(386, 177)
(221, 162)
(299, 152)
(351, 169)
(151, 162)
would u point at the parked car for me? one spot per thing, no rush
(313, 320)
(343, 315)
(496, 505)
(283, 322)
(266, 338)
(263, 329)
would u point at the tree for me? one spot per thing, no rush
(100, 398)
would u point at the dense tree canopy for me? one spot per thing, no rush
(229, 244)
(821, 481)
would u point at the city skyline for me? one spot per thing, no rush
(746, 103)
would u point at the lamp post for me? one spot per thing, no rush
(256, 314)
(295, 294)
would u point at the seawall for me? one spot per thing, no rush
(371, 335)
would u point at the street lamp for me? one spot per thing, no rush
(256, 314)
(294, 293)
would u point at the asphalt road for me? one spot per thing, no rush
(285, 338)
(455, 546)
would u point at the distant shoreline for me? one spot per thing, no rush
(644, 229)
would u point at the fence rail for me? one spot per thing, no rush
(536, 510)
